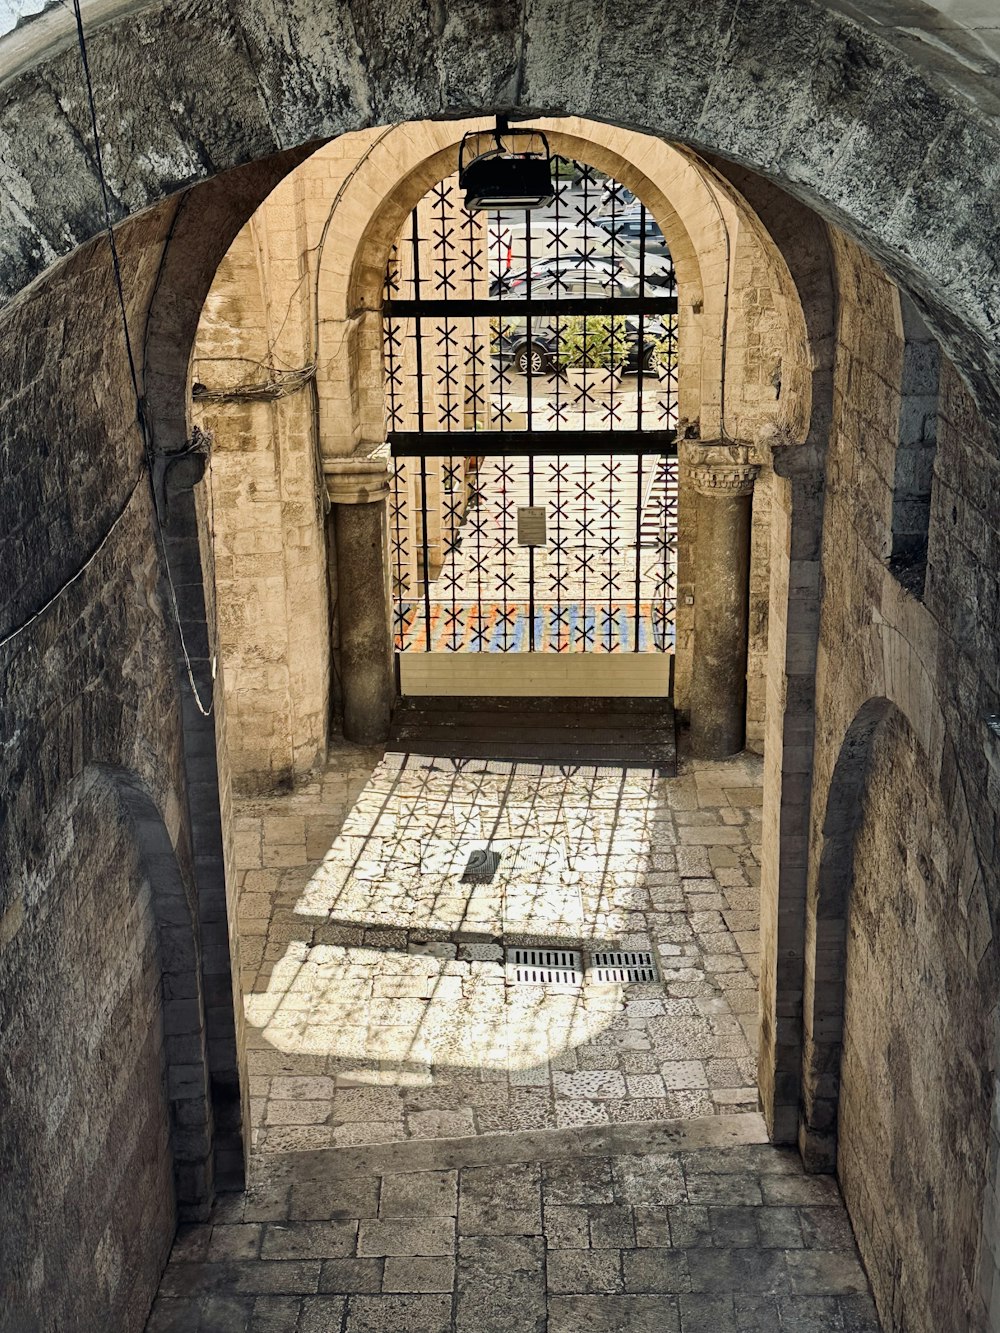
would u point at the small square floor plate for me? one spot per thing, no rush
(481, 866)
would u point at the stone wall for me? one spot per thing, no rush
(86, 1230)
(914, 1114)
(265, 509)
(101, 1059)
(902, 890)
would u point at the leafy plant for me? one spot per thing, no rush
(564, 169)
(593, 342)
(499, 329)
(664, 348)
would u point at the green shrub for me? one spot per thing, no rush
(499, 328)
(564, 169)
(665, 349)
(595, 342)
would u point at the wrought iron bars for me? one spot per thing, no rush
(604, 579)
(483, 315)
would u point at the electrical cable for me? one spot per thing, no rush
(280, 385)
(341, 189)
(139, 408)
(521, 53)
(140, 416)
(109, 228)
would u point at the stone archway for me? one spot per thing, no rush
(699, 208)
(885, 1058)
(908, 693)
(350, 270)
(108, 1119)
(183, 273)
(795, 258)
(395, 171)
(796, 262)
(823, 1016)
(309, 106)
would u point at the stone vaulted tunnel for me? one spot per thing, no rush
(826, 175)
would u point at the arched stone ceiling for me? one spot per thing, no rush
(958, 35)
(828, 105)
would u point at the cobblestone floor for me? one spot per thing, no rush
(694, 1226)
(374, 985)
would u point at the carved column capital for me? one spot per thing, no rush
(358, 479)
(719, 469)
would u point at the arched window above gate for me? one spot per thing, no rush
(561, 319)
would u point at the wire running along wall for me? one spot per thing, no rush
(530, 364)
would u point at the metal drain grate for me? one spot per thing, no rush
(481, 866)
(544, 967)
(622, 965)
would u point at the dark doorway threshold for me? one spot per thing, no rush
(624, 733)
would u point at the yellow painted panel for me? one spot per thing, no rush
(535, 675)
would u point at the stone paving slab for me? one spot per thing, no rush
(619, 1236)
(378, 1004)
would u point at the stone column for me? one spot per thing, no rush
(358, 488)
(722, 477)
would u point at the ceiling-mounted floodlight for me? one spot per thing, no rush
(502, 176)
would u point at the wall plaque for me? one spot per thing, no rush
(531, 525)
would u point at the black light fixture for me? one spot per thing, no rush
(502, 176)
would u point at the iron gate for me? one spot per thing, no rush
(531, 382)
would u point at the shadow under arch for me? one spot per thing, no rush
(832, 882)
(826, 940)
(175, 915)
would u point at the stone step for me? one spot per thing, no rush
(634, 733)
(634, 1138)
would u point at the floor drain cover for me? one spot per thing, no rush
(481, 866)
(543, 967)
(622, 965)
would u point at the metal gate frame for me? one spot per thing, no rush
(448, 318)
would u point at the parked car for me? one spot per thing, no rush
(583, 274)
(618, 196)
(629, 226)
(572, 275)
(625, 239)
(513, 349)
(655, 263)
(588, 277)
